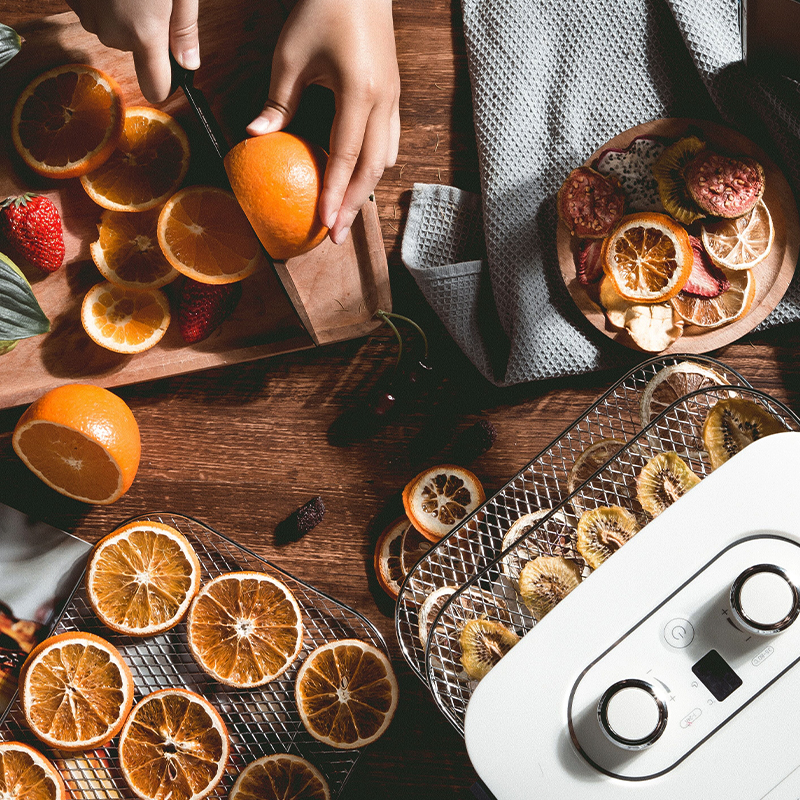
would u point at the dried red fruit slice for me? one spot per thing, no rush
(723, 185)
(590, 261)
(590, 204)
(706, 279)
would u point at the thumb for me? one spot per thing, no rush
(285, 90)
(183, 37)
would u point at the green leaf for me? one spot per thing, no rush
(10, 44)
(20, 315)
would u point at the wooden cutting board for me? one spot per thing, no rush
(327, 295)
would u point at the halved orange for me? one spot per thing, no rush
(711, 312)
(281, 776)
(76, 691)
(346, 693)
(142, 578)
(204, 234)
(67, 121)
(125, 320)
(174, 745)
(648, 257)
(25, 774)
(245, 628)
(127, 252)
(147, 165)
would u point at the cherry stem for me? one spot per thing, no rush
(384, 315)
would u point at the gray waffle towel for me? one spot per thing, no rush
(551, 81)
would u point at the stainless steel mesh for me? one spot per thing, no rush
(260, 721)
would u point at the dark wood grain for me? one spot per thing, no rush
(241, 447)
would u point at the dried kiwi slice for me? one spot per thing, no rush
(668, 171)
(483, 643)
(473, 603)
(664, 479)
(602, 531)
(545, 581)
(732, 424)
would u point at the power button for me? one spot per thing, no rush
(678, 633)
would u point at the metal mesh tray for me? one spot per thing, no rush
(260, 721)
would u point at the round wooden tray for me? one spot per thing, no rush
(772, 275)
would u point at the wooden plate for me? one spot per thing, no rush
(772, 275)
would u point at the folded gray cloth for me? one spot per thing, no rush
(551, 81)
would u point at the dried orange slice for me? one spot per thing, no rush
(127, 251)
(387, 560)
(125, 320)
(174, 745)
(648, 257)
(413, 546)
(440, 497)
(68, 120)
(245, 628)
(25, 774)
(740, 243)
(142, 578)
(76, 691)
(346, 693)
(711, 312)
(204, 234)
(148, 164)
(281, 776)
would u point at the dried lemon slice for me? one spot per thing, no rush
(587, 463)
(513, 563)
(711, 312)
(429, 609)
(387, 559)
(740, 243)
(664, 479)
(602, 531)
(483, 643)
(545, 581)
(412, 547)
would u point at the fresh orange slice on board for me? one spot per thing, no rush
(281, 776)
(711, 312)
(127, 252)
(346, 693)
(204, 234)
(25, 774)
(174, 745)
(440, 497)
(145, 168)
(76, 691)
(125, 320)
(82, 441)
(67, 121)
(245, 629)
(388, 557)
(648, 257)
(142, 578)
(740, 243)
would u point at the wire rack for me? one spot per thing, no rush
(260, 721)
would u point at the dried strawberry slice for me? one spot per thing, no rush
(724, 186)
(706, 279)
(590, 261)
(590, 204)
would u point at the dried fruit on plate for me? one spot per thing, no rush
(32, 224)
(590, 204)
(280, 776)
(740, 243)
(587, 463)
(590, 261)
(706, 279)
(25, 774)
(724, 186)
(633, 167)
(653, 327)
(545, 581)
(668, 171)
(483, 643)
(602, 531)
(711, 312)
(664, 479)
(514, 561)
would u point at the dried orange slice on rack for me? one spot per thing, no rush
(711, 312)
(740, 243)
(68, 120)
(25, 774)
(174, 745)
(142, 578)
(346, 693)
(76, 691)
(281, 776)
(245, 628)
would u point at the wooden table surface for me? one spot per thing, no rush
(241, 447)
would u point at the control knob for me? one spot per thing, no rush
(764, 600)
(631, 714)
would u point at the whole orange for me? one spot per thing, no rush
(277, 179)
(82, 441)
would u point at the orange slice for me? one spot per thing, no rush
(127, 251)
(387, 559)
(280, 777)
(245, 628)
(346, 693)
(125, 320)
(413, 546)
(711, 312)
(174, 745)
(76, 691)
(145, 168)
(740, 243)
(26, 774)
(142, 578)
(648, 257)
(204, 234)
(68, 120)
(440, 497)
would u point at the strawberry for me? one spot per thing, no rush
(590, 261)
(203, 307)
(706, 279)
(31, 223)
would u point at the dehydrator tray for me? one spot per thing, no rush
(260, 721)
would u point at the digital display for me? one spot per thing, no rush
(717, 675)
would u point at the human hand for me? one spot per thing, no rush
(347, 46)
(149, 29)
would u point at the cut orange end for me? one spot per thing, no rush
(204, 234)
(280, 777)
(346, 693)
(145, 168)
(174, 745)
(711, 312)
(388, 557)
(142, 578)
(67, 121)
(127, 252)
(76, 691)
(245, 628)
(25, 774)
(648, 257)
(82, 441)
(125, 320)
